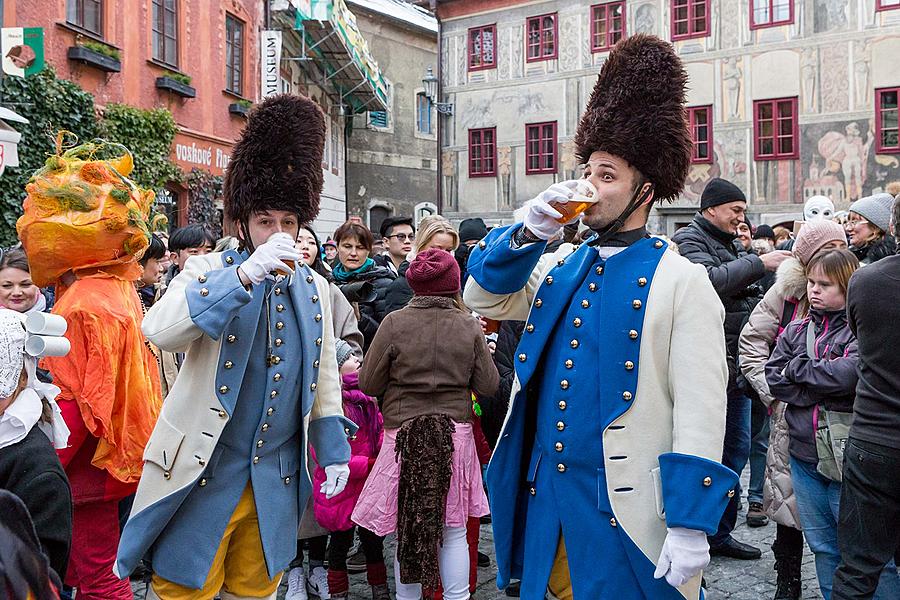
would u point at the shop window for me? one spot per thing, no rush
(541, 38)
(775, 129)
(768, 13)
(482, 47)
(86, 14)
(690, 19)
(886, 120)
(700, 120)
(234, 55)
(607, 25)
(540, 148)
(165, 31)
(482, 152)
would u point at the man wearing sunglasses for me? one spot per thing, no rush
(398, 234)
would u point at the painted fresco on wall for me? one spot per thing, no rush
(831, 15)
(839, 161)
(728, 163)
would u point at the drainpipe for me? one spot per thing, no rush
(440, 128)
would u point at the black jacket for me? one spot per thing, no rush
(882, 248)
(398, 292)
(494, 407)
(31, 470)
(733, 272)
(372, 313)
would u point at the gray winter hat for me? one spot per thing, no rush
(876, 210)
(343, 351)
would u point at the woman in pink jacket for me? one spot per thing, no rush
(334, 513)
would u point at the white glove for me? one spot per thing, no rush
(270, 257)
(684, 554)
(336, 478)
(540, 217)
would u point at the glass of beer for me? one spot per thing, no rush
(585, 194)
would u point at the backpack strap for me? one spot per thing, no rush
(788, 312)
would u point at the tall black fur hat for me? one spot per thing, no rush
(637, 112)
(277, 163)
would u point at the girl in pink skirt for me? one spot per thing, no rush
(425, 361)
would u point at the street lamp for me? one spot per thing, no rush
(430, 82)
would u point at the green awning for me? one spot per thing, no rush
(331, 35)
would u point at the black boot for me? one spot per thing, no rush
(788, 566)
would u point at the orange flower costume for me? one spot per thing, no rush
(85, 225)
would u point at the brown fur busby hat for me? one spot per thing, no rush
(277, 163)
(637, 112)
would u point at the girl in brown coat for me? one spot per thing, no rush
(426, 361)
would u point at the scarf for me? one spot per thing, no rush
(342, 275)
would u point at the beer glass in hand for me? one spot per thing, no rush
(584, 194)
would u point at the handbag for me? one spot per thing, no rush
(832, 428)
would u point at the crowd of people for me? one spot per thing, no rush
(213, 416)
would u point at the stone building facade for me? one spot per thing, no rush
(801, 96)
(392, 155)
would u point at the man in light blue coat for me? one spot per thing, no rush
(225, 477)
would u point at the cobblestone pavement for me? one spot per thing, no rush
(726, 578)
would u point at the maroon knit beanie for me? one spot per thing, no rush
(433, 272)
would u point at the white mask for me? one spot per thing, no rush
(818, 207)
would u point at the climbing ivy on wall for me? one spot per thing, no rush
(205, 188)
(49, 104)
(149, 135)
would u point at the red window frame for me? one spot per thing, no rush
(476, 60)
(770, 4)
(540, 148)
(775, 135)
(881, 5)
(483, 152)
(700, 117)
(600, 13)
(691, 7)
(538, 52)
(880, 129)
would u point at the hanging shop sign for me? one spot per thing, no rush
(22, 49)
(270, 48)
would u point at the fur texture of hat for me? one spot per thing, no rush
(277, 163)
(637, 112)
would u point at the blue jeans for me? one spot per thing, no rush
(759, 445)
(735, 453)
(818, 504)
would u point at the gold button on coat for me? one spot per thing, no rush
(626, 396)
(629, 365)
(538, 303)
(569, 364)
(564, 384)
(592, 287)
(231, 339)
(273, 393)
(482, 245)
(522, 358)
(318, 341)
(167, 475)
(312, 387)
(279, 342)
(279, 325)
(276, 360)
(223, 389)
(255, 460)
(315, 364)
(228, 364)
(561, 468)
(276, 377)
(576, 322)
(259, 443)
(636, 304)
(222, 414)
(229, 260)
(270, 412)
(318, 318)
(658, 244)
(532, 491)
(585, 304)
(558, 446)
(277, 291)
(560, 425)
(202, 483)
(599, 270)
(529, 328)
(633, 334)
(731, 493)
(265, 427)
(612, 521)
(202, 279)
(204, 292)
(287, 480)
(314, 299)
(707, 481)
(309, 279)
(560, 262)
(574, 343)
(280, 308)
(562, 405)
(642, 281)
(549, 279)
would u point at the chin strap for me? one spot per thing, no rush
(637, 200)
(247, 242)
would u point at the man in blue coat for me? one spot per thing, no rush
(225, 477)
(606, 479)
